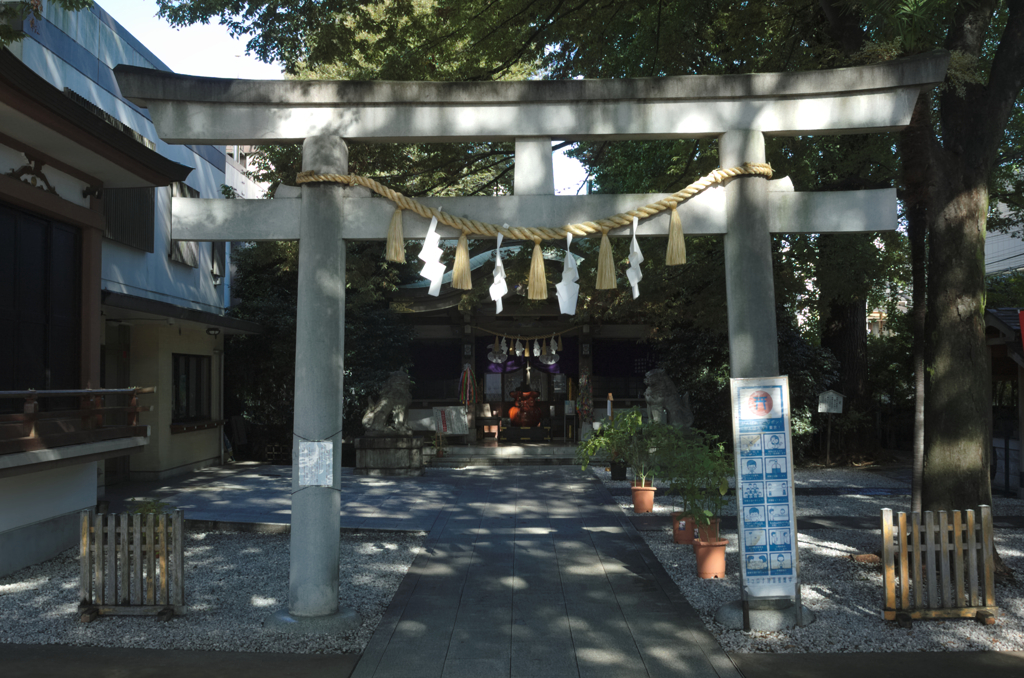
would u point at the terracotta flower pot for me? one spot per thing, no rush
(710, 558)
(683, 531)
(643, 498)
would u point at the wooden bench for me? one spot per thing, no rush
(942, 569)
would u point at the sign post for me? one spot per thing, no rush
(832, 403)
(765, 506)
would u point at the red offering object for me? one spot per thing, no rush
(525, 411)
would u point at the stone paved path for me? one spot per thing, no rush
(535, 573)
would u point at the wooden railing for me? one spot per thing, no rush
(32, 429)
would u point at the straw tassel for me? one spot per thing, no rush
(605, 265)
(560, 349)
(461, 277)
(496, 348)
(676, 252)
(396, 239)
(538, 286)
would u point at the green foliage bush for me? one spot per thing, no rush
(629, 438)
(698, 469)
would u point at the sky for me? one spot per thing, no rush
(222, 56)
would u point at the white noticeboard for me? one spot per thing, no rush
(451, 421)
(830, 402)
(316, 464)
(765, 507)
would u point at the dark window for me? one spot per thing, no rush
(218, 265)
(184, 251)
(129, 214)
(190, 400)
(620, 366)
(40, 304)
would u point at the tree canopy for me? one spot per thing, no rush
(14, 13)
(960, 157)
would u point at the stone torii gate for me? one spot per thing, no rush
(741, 110)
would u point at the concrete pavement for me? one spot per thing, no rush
(532, 573)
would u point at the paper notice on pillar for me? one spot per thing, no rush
(316, 464)
(763, 457)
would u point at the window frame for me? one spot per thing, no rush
(196, 391)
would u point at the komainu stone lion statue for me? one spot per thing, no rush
(664, 403)
(387, 413)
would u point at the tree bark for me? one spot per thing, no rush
(916, 145)
(958, 402)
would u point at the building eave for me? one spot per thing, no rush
(58, 125)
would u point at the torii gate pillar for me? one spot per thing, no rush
(749, 283)
(319, 389)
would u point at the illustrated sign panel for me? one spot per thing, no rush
(764, 478)
(316, 464)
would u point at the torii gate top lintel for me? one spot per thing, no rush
(189, 109)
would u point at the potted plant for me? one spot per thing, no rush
(638, 443)
(684, 527)
(698, 471)
(683, 458)
(616, 464)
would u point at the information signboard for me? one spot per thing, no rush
(764, 480)
(830, 402)
(451, 421)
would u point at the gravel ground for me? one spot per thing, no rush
(234, 581)
(845, 595)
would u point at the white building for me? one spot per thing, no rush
(93, 291)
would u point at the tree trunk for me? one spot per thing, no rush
(915, 146)
(845, 334)
(958, 403)
(843, 312)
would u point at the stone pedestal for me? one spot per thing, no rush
(765, 615)
(389, 456)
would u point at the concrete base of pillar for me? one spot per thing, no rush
(344, 620)
(767, 615)
(389, 456)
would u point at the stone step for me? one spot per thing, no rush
(521, 454)
(464, 461)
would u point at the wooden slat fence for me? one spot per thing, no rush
(132, 564)
(940, 569)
